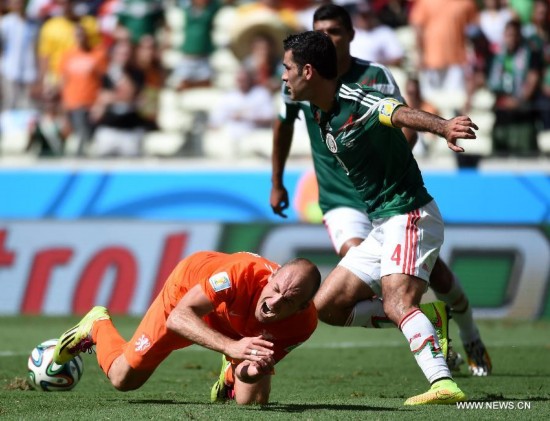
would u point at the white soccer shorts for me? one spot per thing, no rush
(407, 244)
(344, 223)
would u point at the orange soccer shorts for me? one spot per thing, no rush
(152, 342)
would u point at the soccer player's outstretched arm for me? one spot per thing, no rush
(282, 141)
(461, 127)
(186, 321)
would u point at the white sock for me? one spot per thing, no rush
(369, 314)
(461, 311)
(424, 345)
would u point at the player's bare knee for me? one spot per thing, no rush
(334, 312)
(256, 400)
(253, 394)
(126, 381)
(123, 385)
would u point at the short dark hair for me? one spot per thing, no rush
(315, 48)
(333, 12)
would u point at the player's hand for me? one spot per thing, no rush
(254, 349)
(279, 200)
(251, 372)
(261, 368)
(461, 127)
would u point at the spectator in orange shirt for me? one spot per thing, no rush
(81, 71)
(242, 305)
(441, 40)
(57, 37)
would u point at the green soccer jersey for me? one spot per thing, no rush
(141, 17)
(335, 188)
(376, 157)
(198, 32)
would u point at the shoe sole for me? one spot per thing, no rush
(449, 398)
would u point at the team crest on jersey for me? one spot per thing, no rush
(331, 143)
(220, 281)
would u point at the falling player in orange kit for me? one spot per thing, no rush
(242, 305)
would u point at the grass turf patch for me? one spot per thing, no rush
(340, 374)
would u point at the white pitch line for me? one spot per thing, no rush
(12, 353)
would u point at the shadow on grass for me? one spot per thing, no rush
(273, 407)
(296, 408)
(163, 402)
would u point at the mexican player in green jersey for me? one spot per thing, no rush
(344, 213)
(361, 128)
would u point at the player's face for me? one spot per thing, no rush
(340, 36)
(283, 296)
(294, 80)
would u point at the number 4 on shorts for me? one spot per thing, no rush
(396, 256)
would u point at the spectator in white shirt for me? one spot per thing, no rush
(374, 41)
(493, 17)
(241, 111)
(18, 68)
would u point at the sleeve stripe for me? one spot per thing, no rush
(391, 88)
(358, 95)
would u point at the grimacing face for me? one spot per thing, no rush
(284, 295)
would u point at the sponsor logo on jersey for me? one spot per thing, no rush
(331, 143)
(220, 281)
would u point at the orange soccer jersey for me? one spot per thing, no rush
(233, 283)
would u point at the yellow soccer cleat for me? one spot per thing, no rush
(78, 339)
(442, 392)
(221, 391)
(438, 314)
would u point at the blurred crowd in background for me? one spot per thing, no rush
(176, 78)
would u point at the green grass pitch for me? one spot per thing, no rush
(340, 374)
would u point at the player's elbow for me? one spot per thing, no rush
(172, 323)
